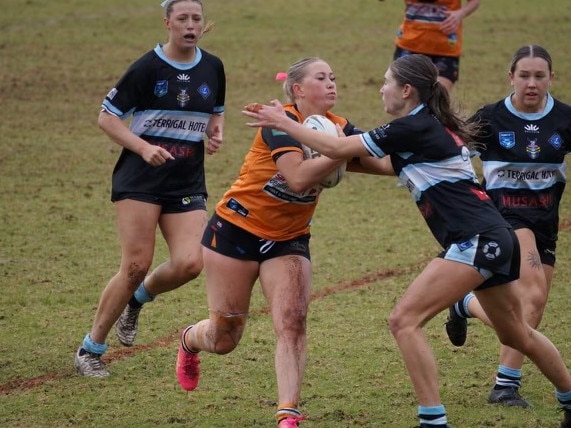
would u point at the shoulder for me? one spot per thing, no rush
(561, 106)
(344, 123)
(292, 113)
(488, 111)
(146, 60)
(141, 68)
(339, 120)
(212, 59)
(419, 122)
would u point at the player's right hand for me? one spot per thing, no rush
(155, 155)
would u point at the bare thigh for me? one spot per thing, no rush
(534, 282)
(229, 283)
(182, 233)
(136, 226)
(286, 283)
(504, 309)
(440, 284)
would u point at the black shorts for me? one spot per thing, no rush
(545, 247)
(448, 66)
(169, 205)
(230, 240)
(495, 254)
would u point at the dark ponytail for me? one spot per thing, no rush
(419, 72)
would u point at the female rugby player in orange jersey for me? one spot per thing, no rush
(261, 231)
(434, 28)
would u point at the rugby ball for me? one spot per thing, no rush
(322, 124)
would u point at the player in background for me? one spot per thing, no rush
(434, 28)
(429, 147)
(261, 231)
(175, 94)
(523, 147)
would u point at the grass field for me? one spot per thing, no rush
(59, 246)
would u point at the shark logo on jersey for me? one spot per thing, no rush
(183, 77)
(183, 98)
(491, 250)
(507, 139)
(533, 149)
(530, 128)
(161, 88)
(556, 141)
(204, 90)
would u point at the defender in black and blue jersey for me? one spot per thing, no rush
(428, 146)
(171, 104)
(160, 112)
(524, 141)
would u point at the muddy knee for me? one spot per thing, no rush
(227, 330)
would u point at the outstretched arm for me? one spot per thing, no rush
(273, 116)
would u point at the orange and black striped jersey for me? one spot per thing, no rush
(420, 30)
(260, 200)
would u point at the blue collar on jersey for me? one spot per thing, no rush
(416, 109)
(529, 116)
(180, 65)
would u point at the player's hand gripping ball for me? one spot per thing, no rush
(322, 124)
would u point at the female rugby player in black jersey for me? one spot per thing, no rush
(175, 94)
(428, 147)
(524, 142)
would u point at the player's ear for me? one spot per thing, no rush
(297, 90)
(407, 90)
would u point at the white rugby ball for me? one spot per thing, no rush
(322, 124)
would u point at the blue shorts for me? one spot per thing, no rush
(495, 254)
(448, 66)
(170, 204)
(230, 240)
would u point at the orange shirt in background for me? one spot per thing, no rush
(420, 31)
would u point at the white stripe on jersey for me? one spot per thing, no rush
(178, 125)
(427, 174)
(525, 175)
(371, 147)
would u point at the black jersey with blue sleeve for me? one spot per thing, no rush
(435, 166)
(170, 104)
(523, 162)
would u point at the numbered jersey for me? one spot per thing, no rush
(523, 162)
(170, 104)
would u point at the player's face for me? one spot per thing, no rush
(530, 80)
(185, 24)
(318, 88)
(391, 92)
